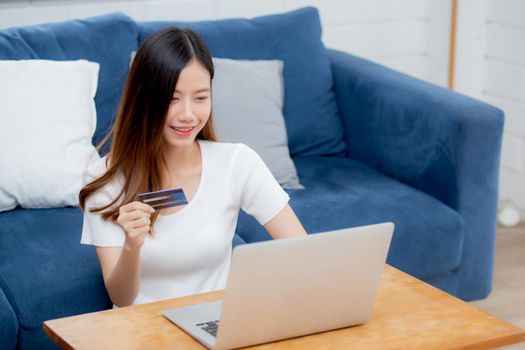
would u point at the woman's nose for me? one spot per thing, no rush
(187, 111)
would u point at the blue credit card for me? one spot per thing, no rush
(164, 198)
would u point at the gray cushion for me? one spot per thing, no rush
(248, 101)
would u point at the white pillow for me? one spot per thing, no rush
(248, 98)
(47, 120)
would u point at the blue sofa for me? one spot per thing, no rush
(370, 145)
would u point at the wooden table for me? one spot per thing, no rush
(408, 314)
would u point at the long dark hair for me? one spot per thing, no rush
(137, 143)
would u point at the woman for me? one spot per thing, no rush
(163, 138)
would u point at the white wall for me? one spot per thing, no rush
(491, 67)
(408, 35)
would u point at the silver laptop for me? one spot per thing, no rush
(292, 287)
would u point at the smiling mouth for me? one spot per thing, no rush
(182, 129)
(183, 132)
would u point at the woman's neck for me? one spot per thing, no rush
(183, 160)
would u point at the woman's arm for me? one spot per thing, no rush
(121, 272)
(121, 265)
(285, 224)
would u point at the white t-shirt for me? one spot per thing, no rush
(191, 250)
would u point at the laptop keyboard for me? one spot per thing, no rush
(209, 327)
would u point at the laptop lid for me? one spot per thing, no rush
(296, 286)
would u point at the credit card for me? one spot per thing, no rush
(164, 198)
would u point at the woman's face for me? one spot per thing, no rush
(190, 106)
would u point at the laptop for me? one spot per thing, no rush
(292, 287)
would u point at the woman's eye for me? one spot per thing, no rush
(175, 99)
(202, 98)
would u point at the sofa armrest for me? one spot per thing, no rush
(9, 324)
(431, 138)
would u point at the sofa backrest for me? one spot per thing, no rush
(108, 40)
(310, 109)
(312, 121)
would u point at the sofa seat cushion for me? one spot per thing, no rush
(108, 40)
(294, 38)
(341, 192)
(237, 240)
(44, 270)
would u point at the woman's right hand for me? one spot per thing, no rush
(134, 218)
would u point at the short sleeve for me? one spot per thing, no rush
(258, 192)
(95, 230)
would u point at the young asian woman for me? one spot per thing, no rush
(163, 138)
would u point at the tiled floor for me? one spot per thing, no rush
(507, 300)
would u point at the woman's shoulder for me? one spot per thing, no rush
(96, 167)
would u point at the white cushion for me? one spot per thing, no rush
(248, 98)
(47, 119)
